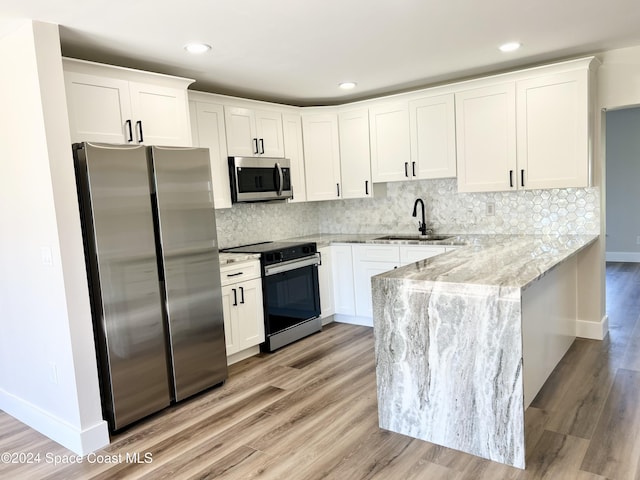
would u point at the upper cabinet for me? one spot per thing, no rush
(389, 134)
(355, 156)
(486, 138)
(253, 132)
(208, 130)
(432, 124)
(294, 151)
(120, 105)
(322, 156)
(553, 130)
(532, 132)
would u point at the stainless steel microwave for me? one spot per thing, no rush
(260, 179)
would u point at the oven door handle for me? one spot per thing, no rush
(291, 265)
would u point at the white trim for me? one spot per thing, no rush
(243, 354)
(593, 330)
(81, 442)
(623, 257)
(354, 320)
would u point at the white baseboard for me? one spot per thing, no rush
(593, 330)
(81, 442)
(633, 257)
(243, 354)
(353, 320)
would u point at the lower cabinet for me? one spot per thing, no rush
(353, 267)
(325, 279)
(242, 307)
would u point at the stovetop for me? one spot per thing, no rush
(274, 252)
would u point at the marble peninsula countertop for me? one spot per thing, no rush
(505, 261)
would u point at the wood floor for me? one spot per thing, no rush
(309, 412)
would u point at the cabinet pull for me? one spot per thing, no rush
(522, 177)
(234, 274)
(130, 130)
(235, 297)
(366, 187)
(338, 188)
(262, 146)
(406, 169)
(413, 168)
(511, 178)
(139, 128)
(255, 146)
(241, 295)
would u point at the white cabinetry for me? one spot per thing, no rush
(207, 125)
(294, 151)
(253, 132)
(355, 155)
(531, 132)
(242, 306)
(343, 291)
(120, 105)
(433, 137)
(325, 279)
(553, 131)
(486, 138)
(415, 253)
(390, 143)
(322, 155)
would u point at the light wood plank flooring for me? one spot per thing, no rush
(309, 412)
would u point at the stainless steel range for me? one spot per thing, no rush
(290, 290)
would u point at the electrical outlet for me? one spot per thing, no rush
(491, 209)
(47, 256)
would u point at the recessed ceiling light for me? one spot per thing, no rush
(510, 47)
(197, 48)
(347, 85)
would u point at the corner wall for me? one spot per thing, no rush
(48, 374)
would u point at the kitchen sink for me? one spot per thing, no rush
(423, 238)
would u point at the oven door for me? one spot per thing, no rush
(291, 293)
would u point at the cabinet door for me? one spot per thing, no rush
(486, 139)
(163, 113)
(269, 132)
(355, 155)
(415, 253)
(390, 150)
(293, 150)
(98, 108)
(242, 139)
(362, 273)
(553, 131)
(230, 314)
(251, 316)
(343, 291)
(322, 156)
(325, 279)
(433, 137)
(209, 132)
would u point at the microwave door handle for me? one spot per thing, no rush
(280, 182)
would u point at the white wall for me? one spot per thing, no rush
(623, 178)
(48, 374)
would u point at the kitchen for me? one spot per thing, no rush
(292, 223)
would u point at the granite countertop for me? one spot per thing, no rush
(326, 239)
(485, 260)
(226, 258)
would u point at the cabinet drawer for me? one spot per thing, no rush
(410, 254)
(239, 272)
(377, 253)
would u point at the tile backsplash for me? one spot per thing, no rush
(562, 211)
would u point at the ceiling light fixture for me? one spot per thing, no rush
(347, 85)
(510, 47)
(197, 48)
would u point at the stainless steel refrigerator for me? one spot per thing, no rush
(154, 275)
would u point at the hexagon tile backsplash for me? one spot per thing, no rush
(561, 211)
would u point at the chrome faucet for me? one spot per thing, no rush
(422, 226)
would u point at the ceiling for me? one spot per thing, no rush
(297, 51)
